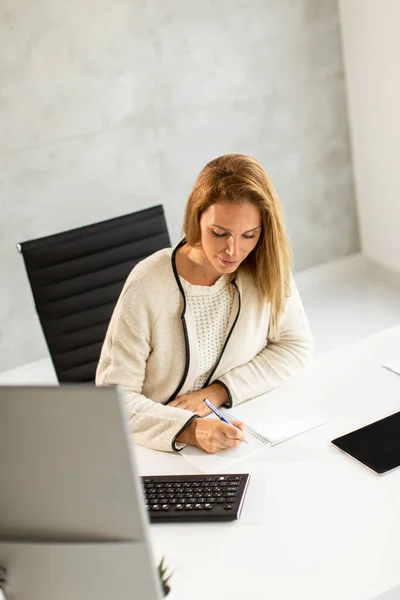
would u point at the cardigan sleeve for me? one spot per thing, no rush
(278, 360)
(123, 362)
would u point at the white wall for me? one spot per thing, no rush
(110, 106)
(371, 38)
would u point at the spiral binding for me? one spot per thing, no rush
(258, 436)
(249, 430)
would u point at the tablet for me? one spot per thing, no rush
(377, 446)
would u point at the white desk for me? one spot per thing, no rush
(315, 525)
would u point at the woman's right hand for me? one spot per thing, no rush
(213, 435)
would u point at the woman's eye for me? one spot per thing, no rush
(249, 237)
(218, 234)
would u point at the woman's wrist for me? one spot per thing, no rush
(218, 395)
(188, 435)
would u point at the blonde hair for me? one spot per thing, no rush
(238, 178)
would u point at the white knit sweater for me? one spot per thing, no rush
(211, 308)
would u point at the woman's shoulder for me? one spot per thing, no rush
(159, 262)
(153, 274)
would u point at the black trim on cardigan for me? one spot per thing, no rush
(233, 282)
(185, 333)
(228, 404)
(182, 429)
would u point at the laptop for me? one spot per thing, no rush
(72, 518)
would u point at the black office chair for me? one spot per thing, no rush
(76, 278)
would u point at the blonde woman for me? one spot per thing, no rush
(219, 316)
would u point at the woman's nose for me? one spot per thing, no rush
(231, 249)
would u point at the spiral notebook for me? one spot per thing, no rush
(272, 429)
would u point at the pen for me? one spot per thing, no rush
(220, 415)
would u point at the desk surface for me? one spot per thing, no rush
(315, 524)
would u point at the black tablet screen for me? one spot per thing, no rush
(376, 445)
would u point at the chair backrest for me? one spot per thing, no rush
(76, 277)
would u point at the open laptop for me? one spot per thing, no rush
(72, 518)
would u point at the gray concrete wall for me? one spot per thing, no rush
(109, 106)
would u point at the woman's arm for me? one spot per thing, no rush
(154, 425)
(123, 362)
(278, 360)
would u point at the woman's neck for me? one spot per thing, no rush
(193, 265)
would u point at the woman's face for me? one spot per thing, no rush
(229, 232)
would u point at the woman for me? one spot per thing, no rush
(219, 316)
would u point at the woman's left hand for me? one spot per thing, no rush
(216, 394)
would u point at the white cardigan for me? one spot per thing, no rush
(151, 349)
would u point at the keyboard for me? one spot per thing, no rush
(183, 498)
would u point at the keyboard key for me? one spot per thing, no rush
(198, 506)
(210, 479)
(179, 507)
(189, 506)
(155, 507)
(147, 480)
(165, 507)
(208, 506)
(228, 506)
(234, 478)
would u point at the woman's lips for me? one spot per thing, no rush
(227, 263)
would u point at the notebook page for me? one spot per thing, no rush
(277, 419)
(279, 432)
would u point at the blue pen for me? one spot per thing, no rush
(219, 414)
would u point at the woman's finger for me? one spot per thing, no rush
(239, 424)
(232, 432)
